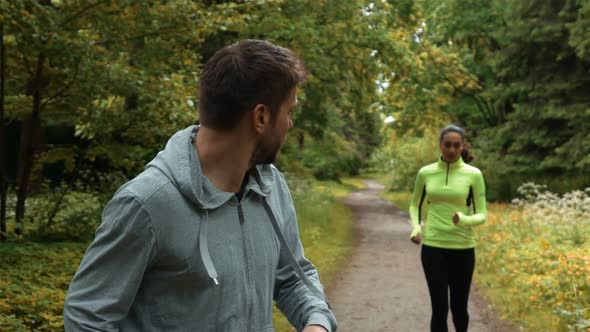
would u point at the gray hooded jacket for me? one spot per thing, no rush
(173, 253)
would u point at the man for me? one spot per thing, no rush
(206, 237)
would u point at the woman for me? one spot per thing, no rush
(455, 194)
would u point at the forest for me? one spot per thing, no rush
(90, 90)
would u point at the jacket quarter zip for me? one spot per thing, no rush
(249, 287)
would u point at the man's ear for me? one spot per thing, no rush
(260, 118)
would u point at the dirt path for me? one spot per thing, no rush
(383, 287)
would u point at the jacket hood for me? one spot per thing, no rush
(179, 162)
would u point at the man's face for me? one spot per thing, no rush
(270, 144)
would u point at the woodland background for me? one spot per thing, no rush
(91, 90)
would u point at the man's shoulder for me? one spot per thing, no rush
(276, 182)
(146, 186)
(277, 174)
(279, 179)
(271, 175)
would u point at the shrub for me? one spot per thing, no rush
(68, 210)
(331, 157)
(534, 258)
(33, 283)
(402, 160)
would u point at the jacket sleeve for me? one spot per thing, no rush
(417, 200)
(301, 307)
(479, 196)
(105, 285)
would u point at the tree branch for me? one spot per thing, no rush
(65, 88)
(151, 34)
(483, 110)
(80, 12)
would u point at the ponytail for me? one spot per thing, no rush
(466, 153)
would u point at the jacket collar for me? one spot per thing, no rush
(456, 164)
(179, 161)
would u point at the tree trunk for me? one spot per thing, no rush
(26, 162)
(301, 140)
(132, 100)
(2, 143)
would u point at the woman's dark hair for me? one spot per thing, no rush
(466, 153)
(240, 76)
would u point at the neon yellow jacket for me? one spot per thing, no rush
(446, 187)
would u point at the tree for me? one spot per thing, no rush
(545, 75)
(123, 74)
(513, 73)
(2, 142)
(342, 44)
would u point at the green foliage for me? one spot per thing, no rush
(518, 81)
(76, 219)
(332, 158)
(346, 185)
(549, 123)
(326, 159)
(534, 259)
(123, 75)
(67, 211)
(33, 283)
(401, 199)
(337, 41)
(404, 155)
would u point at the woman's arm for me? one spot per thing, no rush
(418, 197)
(479, 205)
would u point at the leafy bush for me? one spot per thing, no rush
(568, 213)
(33, 282)
(62, 215)
(404, 156)
(327, 158)
(534, 258)
(67, 211)
(505, 171)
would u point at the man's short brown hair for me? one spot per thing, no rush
(240, 76)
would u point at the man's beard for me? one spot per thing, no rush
(266, 153)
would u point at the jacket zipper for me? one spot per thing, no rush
(447, 179)
(249, 291)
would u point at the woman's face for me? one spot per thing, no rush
(451, 146)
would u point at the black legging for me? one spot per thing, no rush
(448, 269)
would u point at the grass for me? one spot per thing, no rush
(399, 199)
(326, 229)
(33, 281)
(536, 274)
(340, 189)
(34, 276)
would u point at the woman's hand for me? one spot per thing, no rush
(416, 234)
(416, 239)
(456, 218)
